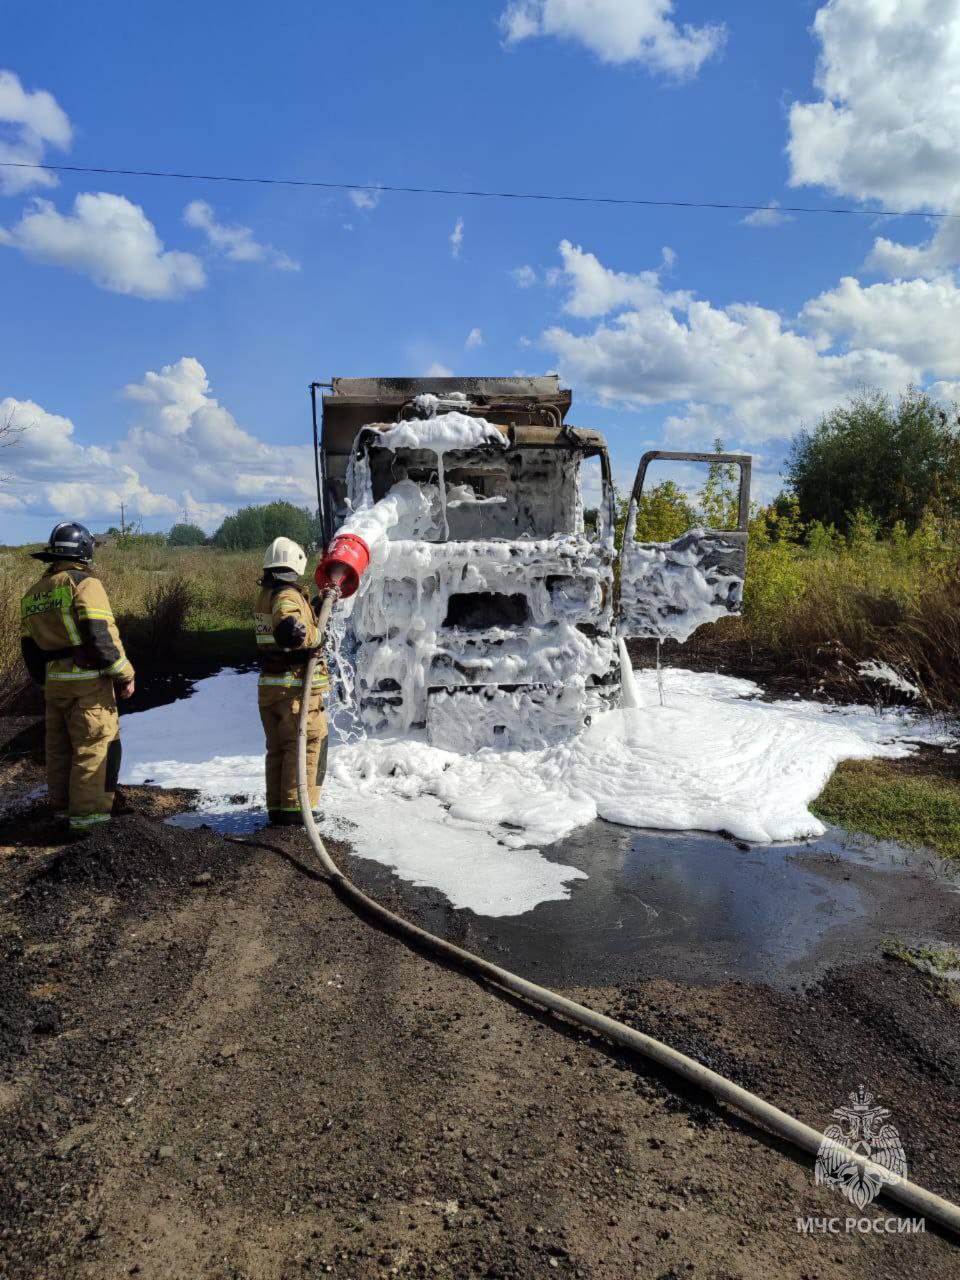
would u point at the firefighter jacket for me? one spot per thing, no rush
(286, 631)
(68, 634)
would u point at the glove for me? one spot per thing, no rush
(290, 633)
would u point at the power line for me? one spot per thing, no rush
(486, 195)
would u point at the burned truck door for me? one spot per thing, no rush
(668, 589)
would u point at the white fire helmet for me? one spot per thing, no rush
(284, 553)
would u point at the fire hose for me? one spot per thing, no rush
(769, 1117)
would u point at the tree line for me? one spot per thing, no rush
(248, 529)
(871, 469)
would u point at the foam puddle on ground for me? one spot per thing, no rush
(714, 758)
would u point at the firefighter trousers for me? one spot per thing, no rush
(280, 715)
(82, 749)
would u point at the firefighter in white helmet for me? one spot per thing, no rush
(286, 631)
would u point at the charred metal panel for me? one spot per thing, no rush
(481, 610)
(668, 589)
(356, 403)
(742, 460)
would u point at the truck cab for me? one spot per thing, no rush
(490, 619)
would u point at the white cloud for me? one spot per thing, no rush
(236, 243)
(595, 290)
(29, 123)
(110, 240)
(365, 198)
(617, 31)
(437, 370)
(524, 276)
(918, 319)
(886, 123)
(180, 419)
(55, 476)
(948, 392)
(931, 258)
(474, 339)
(456, 238)
(171, 457)
(772, 216)
(744, 366)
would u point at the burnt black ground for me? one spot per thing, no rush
(209, 1066)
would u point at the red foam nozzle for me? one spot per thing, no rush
(350, 555)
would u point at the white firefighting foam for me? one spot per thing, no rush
(883, 673)
(441, 433)
(412, 668)
(471, 824)
(409, 510)
(469, 818)
(669, 589)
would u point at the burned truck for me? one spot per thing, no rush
(480, 599)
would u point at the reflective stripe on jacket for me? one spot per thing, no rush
(66, 621)
(279, 605)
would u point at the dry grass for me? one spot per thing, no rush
(15, 577)
(815, 616)
(875, 606)
(222, 584)
(159, 595)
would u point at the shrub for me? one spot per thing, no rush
(130, 541)
(890, 462)
(254, 527)
(861, 530)
(166, 606)
(186, 535)
(774, 585)
(823, 539)
(664, 514)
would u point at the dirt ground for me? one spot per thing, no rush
(209, 1066)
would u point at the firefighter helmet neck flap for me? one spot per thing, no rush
(68, 541)
(285, 554)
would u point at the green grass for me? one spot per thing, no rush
(940, 965)
(936, 960)
(869, 796)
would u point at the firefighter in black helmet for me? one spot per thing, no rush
(71, 645)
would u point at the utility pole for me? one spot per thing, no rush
(123, 527)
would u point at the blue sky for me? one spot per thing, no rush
(180, 381)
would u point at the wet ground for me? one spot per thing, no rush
(696, 907)
(692, 907)
(210, 1067)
